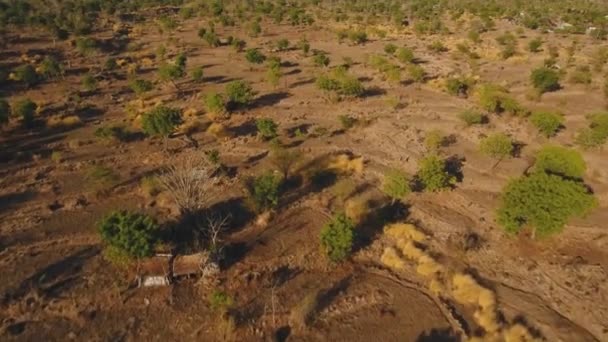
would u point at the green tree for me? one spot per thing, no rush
(171, 72)
(161, 121)
(433, 174)
(337, 238)
(131, 233)
(215, 103)
(497, 146)
(140, 87)
(26, 110)
(547, 123)
(543, 202)
(396, 185)
(254, 56)
(239, 93)
(197, 74)
(561, 161)
(267, 128)
(264, 191)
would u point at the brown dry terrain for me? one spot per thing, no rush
(56, 284)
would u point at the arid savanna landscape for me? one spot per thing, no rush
(303, 170)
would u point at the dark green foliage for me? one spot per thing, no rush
(214, 103)
(337, 238)
(140, 86)
(545, 79)
(111, 133)
(547, 123)
(5, 112)
(173, 71)
(267, 128)
(239, 93)
(27, 74)
(132, 233)
(471, 117)
(396, 185)
(543, 202)
(25, 109)
(433, 175)
(254, 56)
(458, 86)
(561, 161)
(161, 121)
(50, 68)
(264, 191)
(497, 146)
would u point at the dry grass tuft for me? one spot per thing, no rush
(428, 267)
(345, 164)
(63, 122)
(409, 249)
(356, 209)
(404, 231)
(391, 259)
(218, 130)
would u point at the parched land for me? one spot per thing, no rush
(396, 171)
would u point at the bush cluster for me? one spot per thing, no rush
(337, 238)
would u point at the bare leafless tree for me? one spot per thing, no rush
(189, 180)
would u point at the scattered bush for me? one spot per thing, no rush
(267, 128)
(86, 46)
(220, 301)
(434, 139)
(264, 191)
(161, 121)
(347, 122)
(543, 202)
(50, 68)
(132, 233)
(173, 71)
(26, 110)
(357, 37)
(254, 56)
(597, 132)
(437, 47)
(497, 146)
(282, 44)
(471, 117)
(396, 185)
(89, 83)
(304, 45)
(458, 86)
(101, 177)
(340, 82)
(26, 74)
(111, 133)
(239, 93)
(560, 161)
(547, 123)
(320, 59)
(337, 238)
(215, 103)
(405, 55)
(545, 79)
(433, 175)
(581, 75)
(497, 100)
(535, 44)
(390, 49)
(140, 86)
(416, 72)
(197, 74)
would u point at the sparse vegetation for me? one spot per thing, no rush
(128, 232)
(547, 123)
(25, 109)
(239, 93)
(396, 185)
(433, 175)
(545, 79)
(498, 146)
(560, 161)
(471, 117)
(161, 121)
(264, 191)
(337, 238)
(267, 128)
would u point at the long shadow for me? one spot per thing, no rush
(439, 335)
(302, 83)
(326, 297)
(293, 72)
(247, 128)
(53, 277)
(9, 201)
(217, 79)
(373, 91)
(381, 213)
(269, 100)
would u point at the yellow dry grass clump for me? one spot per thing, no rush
(356, 209)
(64, 122)
(391, 259)
(404, 231)
(409, 249)
(429, 267)
(218, 130)
(345, 164)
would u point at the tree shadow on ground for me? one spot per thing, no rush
(269, 100)
(439, 335)
(381, 213)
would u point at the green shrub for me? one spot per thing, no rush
(547, 123)
(215, 103)
(117, 133)
(101, 177)
(346, 121)
(220, 301)
(140, 86)
(340, 82)
(282, 44)
(405, 55)
(173, 71)
(434, 139)
(161, 121)
(390, 48)
(254, 56)
(132, 233)
(597, 132)
(238, 44)
(471, 117)
(581, 75)
(320, 59)
(26, 74)
(561, 161)
(337, 238)
(433, 175)
(535, 44)
(304, 45)
(5, 112)
(458, 86)
(264, 191)
(543, 202)
(497, 100)
(239, 93)
(267, 128)
(26, 110)
(357, 37)
(50, 68)
(396, 185)
(89, 83)
(416, 72)
(497, 146)
(211, 38)
(545, 79)
(437, 47)
(197, 74)
(86, 46)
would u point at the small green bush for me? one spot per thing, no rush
(545, 79)
(496, 99)
(320, 59)
(197, 74)
(282, 44)
(239, 93)
(433, 175)
(86, 46)
(116, 133)
(346, 121)
(304, 45)
(405, 55)
(337, 238)
(357, 37)
(161, 121)
(471, 117)
(437, 47)
(543, 202)
(581, 75)
(547, 123)
(434, 139)
(254, 56)
(220, 301)
(101, 177)
(264, 191)
(215, 103)
(497, 146)
(26, 110)
(26, 74)
(50, 68)
(173, 71)
(89, 83)
(390, 49)
(140, 86)
(417, 73)
(535, 44)
(132, 233)
(597, 132)
(458, 86)
(267, 128)
(396, 185)
(561, 161)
